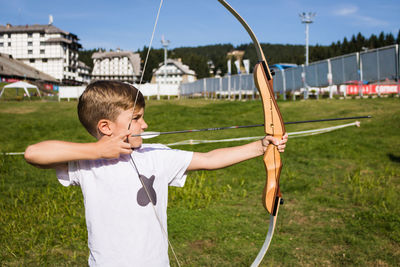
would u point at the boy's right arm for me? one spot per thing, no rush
(52, 153)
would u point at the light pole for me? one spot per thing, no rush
(307, 19)
(165, 44)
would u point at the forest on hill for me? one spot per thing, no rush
(200, 58)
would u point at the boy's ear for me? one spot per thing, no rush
(104, 127)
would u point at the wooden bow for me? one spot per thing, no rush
(274, 126)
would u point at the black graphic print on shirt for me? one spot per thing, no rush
(142, 197)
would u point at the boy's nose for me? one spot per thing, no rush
(144, 125)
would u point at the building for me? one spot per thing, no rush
(175, 72)
(116, 65)
(12, 70)
(44, 47)
(83, 73)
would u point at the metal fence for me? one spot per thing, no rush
(377, 66)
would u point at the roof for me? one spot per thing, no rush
(58, 40)
(48, 28)
(283, 66)
(134, 58)
(20, 84)
(82, 65)
(12, 67)
(184, 68)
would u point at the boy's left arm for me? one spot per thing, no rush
(224, 157)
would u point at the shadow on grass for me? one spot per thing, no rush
(393, 157)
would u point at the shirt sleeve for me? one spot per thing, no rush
(68, 176)
(174, 164)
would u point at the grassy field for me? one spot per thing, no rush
(342, 205)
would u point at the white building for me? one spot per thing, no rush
(44, 47)
(83, 73)
(117, 65)
(175, 72)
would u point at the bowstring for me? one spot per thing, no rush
(129, 126)
(145, 61)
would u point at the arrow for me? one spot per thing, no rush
(148, 135)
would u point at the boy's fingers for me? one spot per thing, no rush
(275, 141)
(270, 140)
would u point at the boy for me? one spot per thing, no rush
(124, 182)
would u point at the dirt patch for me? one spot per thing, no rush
(18, 110)
(202, 244)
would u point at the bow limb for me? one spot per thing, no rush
(274, 126)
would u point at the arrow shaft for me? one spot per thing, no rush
(252, 126)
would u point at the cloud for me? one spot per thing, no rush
(346, 11)
(372, 21)
(352, 12)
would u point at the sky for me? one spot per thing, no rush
(128, 24)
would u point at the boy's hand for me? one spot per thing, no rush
(110, 147)
(281, 144)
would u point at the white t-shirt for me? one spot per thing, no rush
(123, 229)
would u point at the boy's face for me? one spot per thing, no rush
(137, 125)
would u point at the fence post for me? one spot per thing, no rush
(397, 69)
(158, 91)
(303, 78)
(205, 88)
(229, 86)
(360, 87)
(284, 84)
(220, 87)
(379, 72)
(240, 86)
(330, 79)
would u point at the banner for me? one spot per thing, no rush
(372, 89)
(246, 63)
(237, 64)
(11, 80)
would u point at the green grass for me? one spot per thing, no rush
(342, 205)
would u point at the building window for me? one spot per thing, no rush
(1, 35)
(32, 60)
(30, 43)
(9, 43)
(42, 51)
(44, 60)
(30, 52)
(42, 43)
(29, 35)
(1, 44)
(42, 34)
(9, 35)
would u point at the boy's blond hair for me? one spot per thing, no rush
(106, 100)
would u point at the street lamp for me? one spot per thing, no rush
(307, 18)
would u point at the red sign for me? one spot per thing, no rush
(48, 86)
(11, 80)
(371, 89)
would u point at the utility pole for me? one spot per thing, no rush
(165, 44)
(307, 19)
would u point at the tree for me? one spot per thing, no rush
(345, 46)
(398, 38)
(381, 39)
(389, 39)
(86, 56)
(373, 41)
